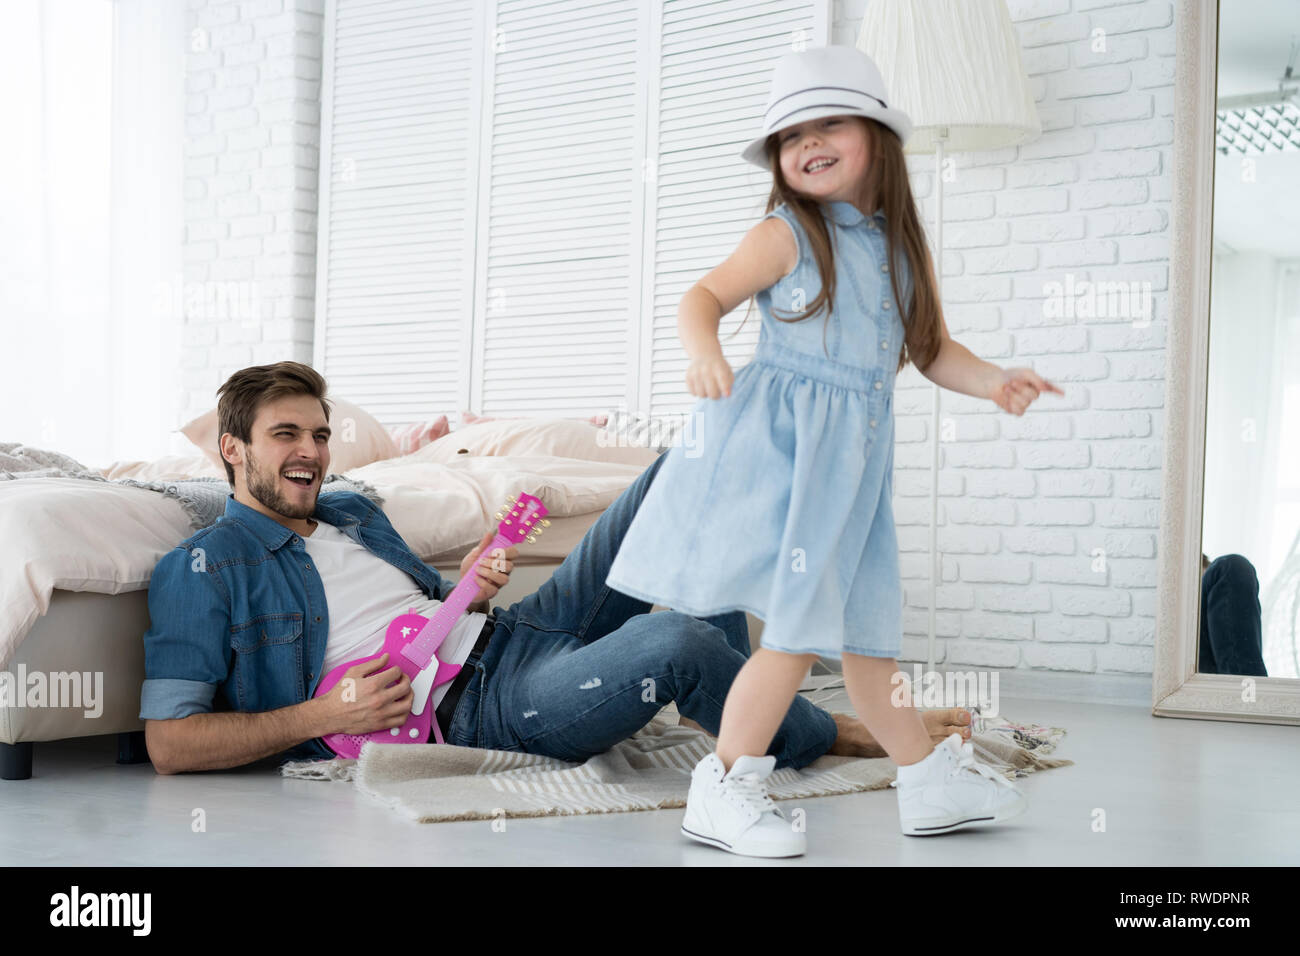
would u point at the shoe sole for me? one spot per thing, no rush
(950, 824)
(723, 845)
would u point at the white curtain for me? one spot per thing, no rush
(91, 225)
(1253, 412)
(1280, 585)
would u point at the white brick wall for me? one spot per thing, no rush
(253, 76)
(1048, 523)
(1028, 506)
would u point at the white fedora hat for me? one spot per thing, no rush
(825, 81)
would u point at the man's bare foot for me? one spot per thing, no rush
(854, 740)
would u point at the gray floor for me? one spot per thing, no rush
(1174, 792)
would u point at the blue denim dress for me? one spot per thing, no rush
(778, 499)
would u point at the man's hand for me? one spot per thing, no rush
(363, 702)
(493, 574)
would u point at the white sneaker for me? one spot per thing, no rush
(949, 790)
(732, 810)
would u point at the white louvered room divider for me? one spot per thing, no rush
(715, 62)
(515, 195)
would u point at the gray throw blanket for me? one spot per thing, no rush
(204, 499)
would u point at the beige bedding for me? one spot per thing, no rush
(107, 538)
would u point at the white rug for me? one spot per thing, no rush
(651, 770)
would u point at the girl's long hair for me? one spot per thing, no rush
(887, 180)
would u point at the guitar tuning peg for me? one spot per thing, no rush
(545, 523)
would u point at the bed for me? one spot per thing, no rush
(79, 554)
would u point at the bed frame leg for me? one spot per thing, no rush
(130, 747)
(16, 761)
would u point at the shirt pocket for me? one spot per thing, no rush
(268, 661)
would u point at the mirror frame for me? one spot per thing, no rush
(1177, 690)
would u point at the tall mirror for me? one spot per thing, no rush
(1250, 529)
(1228, 608)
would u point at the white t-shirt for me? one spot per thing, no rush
(364, 593)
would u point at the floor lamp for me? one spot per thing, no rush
(954, 67)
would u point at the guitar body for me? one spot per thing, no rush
(401, 632)
(412, 640)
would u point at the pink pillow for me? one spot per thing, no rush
(409, 438)
(356, 438)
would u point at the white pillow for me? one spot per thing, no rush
(561, 437)
(356, 437)
(657, 434)
(169, 466)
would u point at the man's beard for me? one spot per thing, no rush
(266, 489)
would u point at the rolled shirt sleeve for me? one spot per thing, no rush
(187, 653)
(442, 586)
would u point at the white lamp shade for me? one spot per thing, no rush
(952, 64)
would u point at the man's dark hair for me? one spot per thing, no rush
(239, 399)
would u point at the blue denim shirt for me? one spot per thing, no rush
(239, 606)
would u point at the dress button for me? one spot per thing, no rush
(873, 423)
(885, 304)
(884, 267)
(884, 344)
(879, 386)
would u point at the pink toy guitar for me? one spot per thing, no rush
(412, 639)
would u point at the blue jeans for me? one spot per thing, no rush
(1232, 641)
(577, 666)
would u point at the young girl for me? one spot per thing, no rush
(782, 506)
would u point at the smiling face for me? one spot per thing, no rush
(844, 151)
(289, 437)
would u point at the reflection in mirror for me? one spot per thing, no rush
(1250, 580)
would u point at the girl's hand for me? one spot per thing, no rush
(709, 376)
(1014, 389)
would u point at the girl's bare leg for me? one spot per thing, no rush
(899, 730)
(758, 701)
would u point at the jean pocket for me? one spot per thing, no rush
(465, 721)
(268, 661)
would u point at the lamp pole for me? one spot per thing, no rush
(934, 405)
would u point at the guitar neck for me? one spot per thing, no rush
(421, 650)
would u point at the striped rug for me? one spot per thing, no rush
(651, 770)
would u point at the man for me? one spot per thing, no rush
(290, 583)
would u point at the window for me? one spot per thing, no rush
(90, 201)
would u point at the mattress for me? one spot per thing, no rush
(106, 538)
